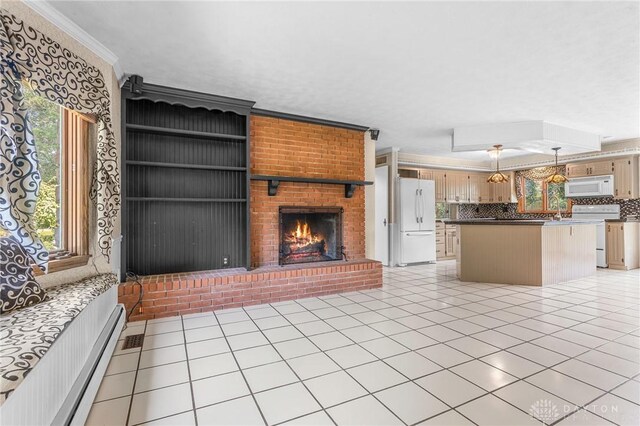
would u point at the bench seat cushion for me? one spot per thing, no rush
(27, 334)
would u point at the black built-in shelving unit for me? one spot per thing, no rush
(185, 180)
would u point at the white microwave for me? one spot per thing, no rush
(592, 186)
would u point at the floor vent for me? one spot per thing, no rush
(133, 341)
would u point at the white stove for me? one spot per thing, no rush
(598, 212)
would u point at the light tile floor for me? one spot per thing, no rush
(424, 349)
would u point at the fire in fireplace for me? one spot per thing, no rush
(310, 234)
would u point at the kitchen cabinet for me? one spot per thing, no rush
(593, 168)
(625, 178)
(503, 192)
(622, 245)
(446, 241)
(437, 176)
(475, 181)
(451, 242)
(485, 191)
(457, 187)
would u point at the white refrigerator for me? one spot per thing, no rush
(417, 203)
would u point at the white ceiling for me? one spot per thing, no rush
(413, 70)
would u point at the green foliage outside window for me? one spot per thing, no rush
(540, 196)
(45, 124)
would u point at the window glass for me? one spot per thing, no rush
(533, 199)
(555, 197)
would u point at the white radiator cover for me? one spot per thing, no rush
(39, 397)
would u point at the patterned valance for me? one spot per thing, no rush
(61, 76)
(539, 173)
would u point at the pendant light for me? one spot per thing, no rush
(497, 176)
(557, 177)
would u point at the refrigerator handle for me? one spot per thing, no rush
(415, 207)
(421, 206)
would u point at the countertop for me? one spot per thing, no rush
(626, 219)
(529, 222)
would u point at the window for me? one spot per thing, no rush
(61, 215)
(542, 197)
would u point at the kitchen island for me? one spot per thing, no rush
(526, 252)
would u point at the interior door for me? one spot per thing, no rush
(381, 214)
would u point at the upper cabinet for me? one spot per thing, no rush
(503, 192)
(594, 168)
(457, 187)
(437, 176)
(624, 171)
(625, 178)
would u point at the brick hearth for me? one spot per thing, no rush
(285, 148)
(179, 294)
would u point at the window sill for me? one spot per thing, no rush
(63, 264)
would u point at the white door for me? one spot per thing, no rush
(382, 211)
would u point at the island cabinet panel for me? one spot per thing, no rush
(525, 254)
(623, 245)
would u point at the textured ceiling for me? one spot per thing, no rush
(414, 70)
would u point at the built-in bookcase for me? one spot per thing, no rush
(185, 181)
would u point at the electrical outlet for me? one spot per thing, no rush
(225, 260)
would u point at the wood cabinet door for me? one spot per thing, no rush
(457, 187)
(485, 193)
(426, 174)
(577, 170)
(450, 243)
(475, 181)
(615, 244)
(501, 192)
(622, 178)
(438, 177)
(600, 168)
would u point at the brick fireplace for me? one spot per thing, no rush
(316, 265)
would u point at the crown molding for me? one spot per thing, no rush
(72, 29)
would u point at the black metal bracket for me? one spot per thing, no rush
(274, 181)
(349, 189)
(136, 83)
(273, 187)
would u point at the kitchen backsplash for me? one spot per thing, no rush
(510, 211)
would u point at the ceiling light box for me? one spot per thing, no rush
(531, 136)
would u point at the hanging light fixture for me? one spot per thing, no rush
(557, 177)
(497, 176)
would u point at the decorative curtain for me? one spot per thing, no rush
(27, 55)
(540, 173)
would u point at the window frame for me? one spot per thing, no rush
(545, 204)
(75, 131)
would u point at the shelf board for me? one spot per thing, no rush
(189, 200)
(274, 181)
(181, 132)
(185, 166)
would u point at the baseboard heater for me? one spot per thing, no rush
(76, 407)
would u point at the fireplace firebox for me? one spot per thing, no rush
(310, 234)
